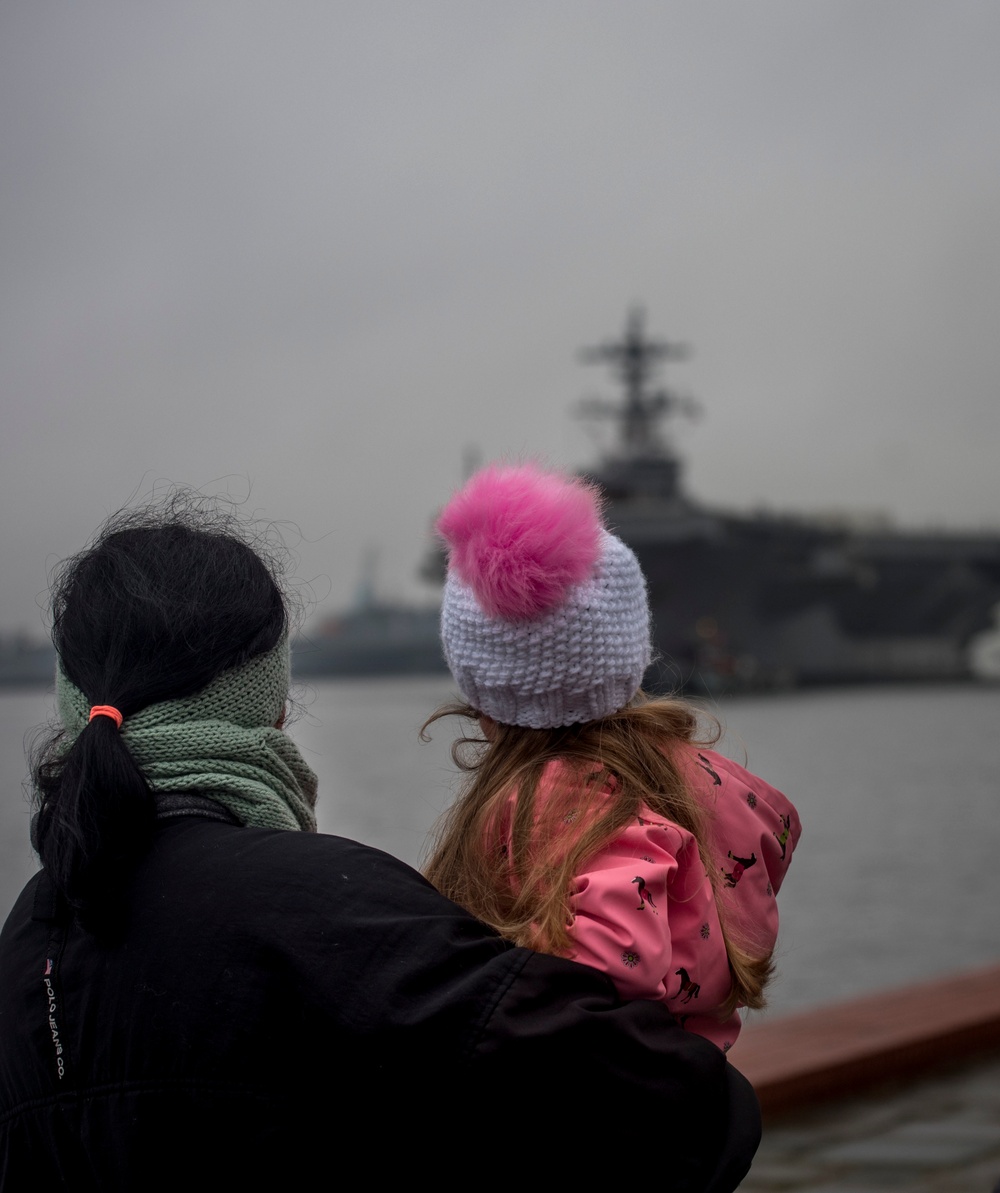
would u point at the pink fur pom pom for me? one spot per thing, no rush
(520, 538)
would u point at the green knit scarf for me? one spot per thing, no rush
(220, 742)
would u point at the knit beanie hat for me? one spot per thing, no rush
(544, 620)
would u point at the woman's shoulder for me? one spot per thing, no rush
(257, 871)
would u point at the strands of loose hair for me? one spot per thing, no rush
(510, 857)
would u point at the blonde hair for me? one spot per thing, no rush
(608, 770)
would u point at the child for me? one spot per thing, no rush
(594, 823)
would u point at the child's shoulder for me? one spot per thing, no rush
(720, 777)
(750, 819)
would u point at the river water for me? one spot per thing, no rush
(897, 877)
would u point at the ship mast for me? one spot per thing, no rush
(636, 361)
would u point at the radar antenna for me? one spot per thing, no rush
(636, 360)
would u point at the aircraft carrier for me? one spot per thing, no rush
(755, 600)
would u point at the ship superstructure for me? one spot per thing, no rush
(761, 599)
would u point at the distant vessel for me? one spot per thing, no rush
(25, 663)
(760, 599)
(376, 637)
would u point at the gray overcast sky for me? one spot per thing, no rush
(308, 253)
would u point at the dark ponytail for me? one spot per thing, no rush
(162, 602)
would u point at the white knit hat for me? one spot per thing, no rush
(545, 620)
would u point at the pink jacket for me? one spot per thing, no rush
(644, 909)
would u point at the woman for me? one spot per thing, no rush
(197, 986)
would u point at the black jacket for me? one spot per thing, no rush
(284, 1004)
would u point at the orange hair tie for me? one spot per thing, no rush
(106, 710)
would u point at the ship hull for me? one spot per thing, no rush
(758, 602)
